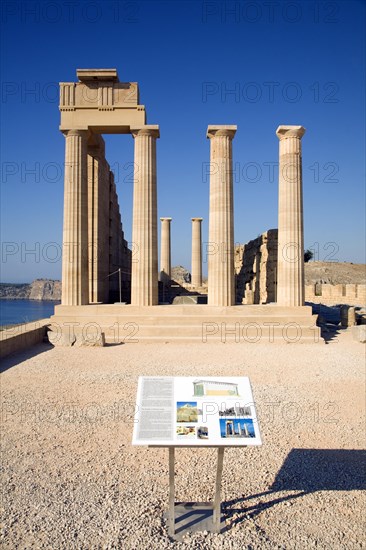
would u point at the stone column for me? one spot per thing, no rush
(75, 280)
(290, 263)
(144, 283)
(221, 286)
(196, 268)
(165, 251)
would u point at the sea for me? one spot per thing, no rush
(13, 312)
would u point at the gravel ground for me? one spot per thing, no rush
(71, 478)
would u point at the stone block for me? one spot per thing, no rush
(351, 291)
(348, 316)
(359, 333)
(94, 341)
(186, 299)
(249, 297)
(361, 294)
(326, 291)
(59, 339)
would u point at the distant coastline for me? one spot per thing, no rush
(40, 289)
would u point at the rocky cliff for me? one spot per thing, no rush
(40, 289)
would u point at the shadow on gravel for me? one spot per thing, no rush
(304, 471)
(329, 318)
(330, 333)
(19, 357)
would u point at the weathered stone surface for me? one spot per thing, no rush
(326, 282)
(90, 342)
(186, 299)
(361, 316)
(144, 282)
(196, 263)
(256, 269)
(359, 333)
(22, 337)
(180, 274)
(62, 340)
(165, 251)
(348, 317)
(290, 262)
(221, 280)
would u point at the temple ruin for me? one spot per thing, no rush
(95, 250)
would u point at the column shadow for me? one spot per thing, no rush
(304, 471)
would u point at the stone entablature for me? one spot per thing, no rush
(101, 103)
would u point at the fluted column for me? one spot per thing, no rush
(165, 251)
(290, 265)
(196, 267)
(221, 287)
(144, 283)
(75, 229)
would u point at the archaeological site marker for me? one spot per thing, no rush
(195, 412)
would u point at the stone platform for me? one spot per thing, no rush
(186, 323)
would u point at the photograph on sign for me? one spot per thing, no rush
(217, 411)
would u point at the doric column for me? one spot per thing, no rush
(290, 264)
(144, 284)
(75, 229)
(165, 251)
(196, 267)
(221, 287)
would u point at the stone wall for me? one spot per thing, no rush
(256, 269)
(256, 276)
(108, 250)
(21, 337)
(120, 255)
(351, 294)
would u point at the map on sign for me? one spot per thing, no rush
(193, 411)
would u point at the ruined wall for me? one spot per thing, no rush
(119, 253)
(256, 276)
(108, 250)
(256, 269)
(322, 293)
(98, 221)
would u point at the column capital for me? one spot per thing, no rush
(166, 219)
(284, 132)
(75, 132)
(146, 130)
(197, 219)
(221, 130)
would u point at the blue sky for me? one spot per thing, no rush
(256, 64)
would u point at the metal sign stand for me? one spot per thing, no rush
(194, 516)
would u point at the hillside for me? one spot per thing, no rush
(335, 273)
(40, 289)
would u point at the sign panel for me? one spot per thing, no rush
(193, 411)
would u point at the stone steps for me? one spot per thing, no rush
(197, 323)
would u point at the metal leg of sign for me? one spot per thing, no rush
(194, 516)
(216, 520)
(171, 491)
